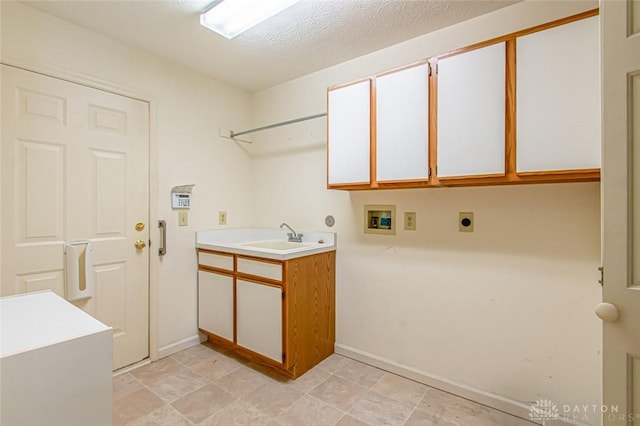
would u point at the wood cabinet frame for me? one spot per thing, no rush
(308, 310)
(510, 176)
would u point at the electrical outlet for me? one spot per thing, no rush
(222, 218)
(183, 218)
(409, 221)
(465, 221)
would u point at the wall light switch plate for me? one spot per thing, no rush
(183, 218)
(465, 221)
(409, 221)
(222, 218)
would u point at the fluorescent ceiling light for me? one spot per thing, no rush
(232, 17)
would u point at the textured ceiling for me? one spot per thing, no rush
(311, 35)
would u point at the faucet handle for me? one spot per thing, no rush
(297, 238)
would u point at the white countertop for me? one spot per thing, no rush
(236, 241)
(34, 320)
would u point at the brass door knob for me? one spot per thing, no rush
(140, 244)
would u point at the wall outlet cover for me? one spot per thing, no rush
(465, 221)
(183, 218)
(222, 218)
(410, 221)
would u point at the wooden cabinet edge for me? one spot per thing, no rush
(350, 186)
(213, 269)
(218, 252)
(529, 178)
(310, 342)
(259, 259)
(560, 173)
(255, 279)
(570, 176)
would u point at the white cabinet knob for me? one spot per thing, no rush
(607, 312)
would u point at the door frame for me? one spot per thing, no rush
(94, 83)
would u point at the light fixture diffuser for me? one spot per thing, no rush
(232, 17)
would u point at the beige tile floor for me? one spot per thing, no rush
(205, 386)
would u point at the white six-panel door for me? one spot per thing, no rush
(620, 38)
(75, 167)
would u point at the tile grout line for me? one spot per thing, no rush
(415, 406)
(169, 404)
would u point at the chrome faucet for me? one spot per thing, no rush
(294, 237)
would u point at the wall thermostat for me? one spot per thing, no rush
(181, 200)
(181, 197)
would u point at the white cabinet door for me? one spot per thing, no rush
(349, 134)
(471, 113)
(259, 318)
(558, 98)
(402, 125)
(215, 304)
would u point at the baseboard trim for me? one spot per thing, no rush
(178, 346)
(498, 402)
(131, 367)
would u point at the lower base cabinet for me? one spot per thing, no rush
(280, 314)
(259, 318)
(217, 316)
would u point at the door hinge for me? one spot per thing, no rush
(283, 294)
(436, 68)
(284, 356)
(601, 280)
(429, 64)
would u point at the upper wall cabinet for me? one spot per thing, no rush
(349, 134)
(521, 108)
(558, 98)
(402, 124)
(471, 113)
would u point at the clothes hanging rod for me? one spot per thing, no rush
(233, 134)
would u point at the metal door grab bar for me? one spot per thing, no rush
(163, 237)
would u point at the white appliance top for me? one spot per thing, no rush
(34, 320)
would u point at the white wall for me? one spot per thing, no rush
(506, 310)
(186, 111)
